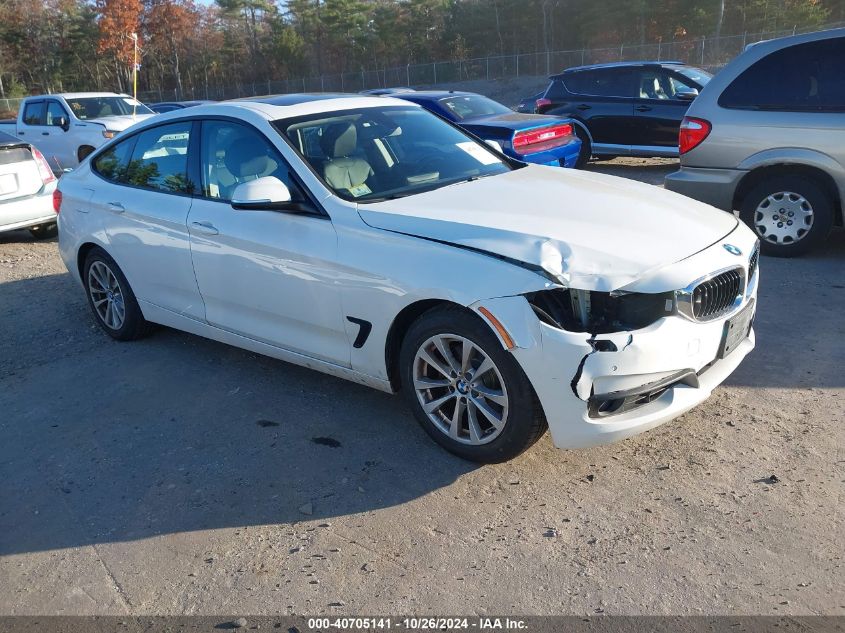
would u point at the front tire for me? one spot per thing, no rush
(111, 298)
(790, 214)
(467, 392)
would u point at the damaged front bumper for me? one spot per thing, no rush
(603, 388)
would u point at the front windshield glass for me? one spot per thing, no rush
(373, 154)
(701, 77)
(471, 106)
(102, 107)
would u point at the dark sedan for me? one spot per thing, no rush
(625, 108)
(533, 138)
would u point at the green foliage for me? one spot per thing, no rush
(192, 48)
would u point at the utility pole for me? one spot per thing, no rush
(134, 37)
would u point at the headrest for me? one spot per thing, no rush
(339, 139)
(244, 157)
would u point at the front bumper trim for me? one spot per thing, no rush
(606, 404)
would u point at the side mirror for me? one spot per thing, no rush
(686, 94)
(264, 194)
(63, 123)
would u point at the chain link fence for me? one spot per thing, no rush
(708, 53)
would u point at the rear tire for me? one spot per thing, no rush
(111, 299)
(586, 147)
(44, 231)
(489, 412)
(790, 214)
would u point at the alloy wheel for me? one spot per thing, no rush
(784, 217)
(106, 295)
(460, 389)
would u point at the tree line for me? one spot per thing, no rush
(65, 45)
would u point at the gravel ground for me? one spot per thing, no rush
(175, 475)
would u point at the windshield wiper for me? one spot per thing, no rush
(431, 187)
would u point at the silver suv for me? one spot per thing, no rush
(766, 136)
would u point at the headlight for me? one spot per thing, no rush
(600, 312)
(109, 133)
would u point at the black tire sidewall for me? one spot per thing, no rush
(812, 192)
(134, 326)
(586, 151)
(525, 423)
(44, 231)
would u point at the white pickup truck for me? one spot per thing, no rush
(68, 127)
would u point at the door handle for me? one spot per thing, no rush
(583, 106)
(206, 228)
(642, 108)
(45, 134)
(116, 207)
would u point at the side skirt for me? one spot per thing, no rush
(168, 318)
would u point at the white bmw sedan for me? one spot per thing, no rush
(368, 239)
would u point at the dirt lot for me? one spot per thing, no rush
(177, 475)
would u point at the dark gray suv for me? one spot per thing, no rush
(766, 137)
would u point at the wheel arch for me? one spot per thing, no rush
(82, 255)
(583, 126)
(399, 328)
(816, 174)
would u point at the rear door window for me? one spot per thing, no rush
(602, 82)
(160, 159)
(802, 78)
(33, 113)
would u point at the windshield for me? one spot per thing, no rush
(701, 77)
(102, 107)
(373, 154)
(471, 106)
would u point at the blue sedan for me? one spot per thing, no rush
(533, 138)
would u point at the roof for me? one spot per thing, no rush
(182, 103)
(435, 94)
(79, 95)
(619, 65)
(790, 40)
(295, 99)
(274, 107)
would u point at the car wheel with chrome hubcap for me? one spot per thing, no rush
(790, 214)
(111, 299)
(466, 390)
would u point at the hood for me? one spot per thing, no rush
(119, 123)
(588, 231)
(512, 121)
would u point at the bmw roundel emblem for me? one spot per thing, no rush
(733, 250)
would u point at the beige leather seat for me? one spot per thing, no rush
(342, 170)
(243, 160)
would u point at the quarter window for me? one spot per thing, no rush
(802, 78)
(160, 159)
(233, 153)
(32, 113)
(113, 162)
